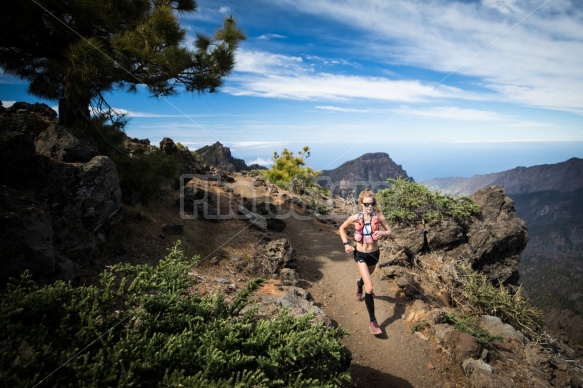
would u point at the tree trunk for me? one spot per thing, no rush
(74, 111)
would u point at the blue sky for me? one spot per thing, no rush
(446, 88)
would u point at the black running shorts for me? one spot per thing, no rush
(370, 258)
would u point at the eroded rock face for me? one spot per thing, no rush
(498, 237)
(58, 196)
(277, 255)
(491, 242)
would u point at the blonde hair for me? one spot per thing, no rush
(365, 194)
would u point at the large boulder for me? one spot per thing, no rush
(58, 196)
(497, 237)
(66, 144)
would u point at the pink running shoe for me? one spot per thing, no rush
(374, 328)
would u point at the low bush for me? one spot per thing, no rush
(143, 326)
(499, 301)
(468, 325)
(407, 202)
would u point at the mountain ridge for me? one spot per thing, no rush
(563, 176)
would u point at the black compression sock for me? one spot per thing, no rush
(359, 284)
(369, 301)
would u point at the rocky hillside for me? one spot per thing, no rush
(549, 199)
(370, 170)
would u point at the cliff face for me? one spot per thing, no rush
(370, 170)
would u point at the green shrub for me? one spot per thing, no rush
(288, 171)
(468, 325)
(407, 202)
(510, 307)
(142, 326)
(142, 176)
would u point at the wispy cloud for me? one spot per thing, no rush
(340, 109)
(288, 77)
(454, 113)
(128, 113)
(271, 36)
(257, 144)
(529, 124)
(261, 162)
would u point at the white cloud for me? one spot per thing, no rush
(261, 62)
(261, 162)
(289, 77)
(224, 9)
(454, 113)
(129, 113)
(503, 6)
(271, 36)
(529, 124)
(256, 144)
(326, 86)
(340, 109)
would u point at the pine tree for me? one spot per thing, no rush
(75, 50)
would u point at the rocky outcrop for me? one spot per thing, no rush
(58, 196)
(370, 170)
(426, 262)
(220, 157)
(190, 164)
(491, 242)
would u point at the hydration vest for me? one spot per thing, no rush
(365, 231)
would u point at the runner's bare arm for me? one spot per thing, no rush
(387, 229)
(342, 230)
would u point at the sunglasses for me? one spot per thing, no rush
(367, 204)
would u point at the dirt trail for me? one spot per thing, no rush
(397, 357)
